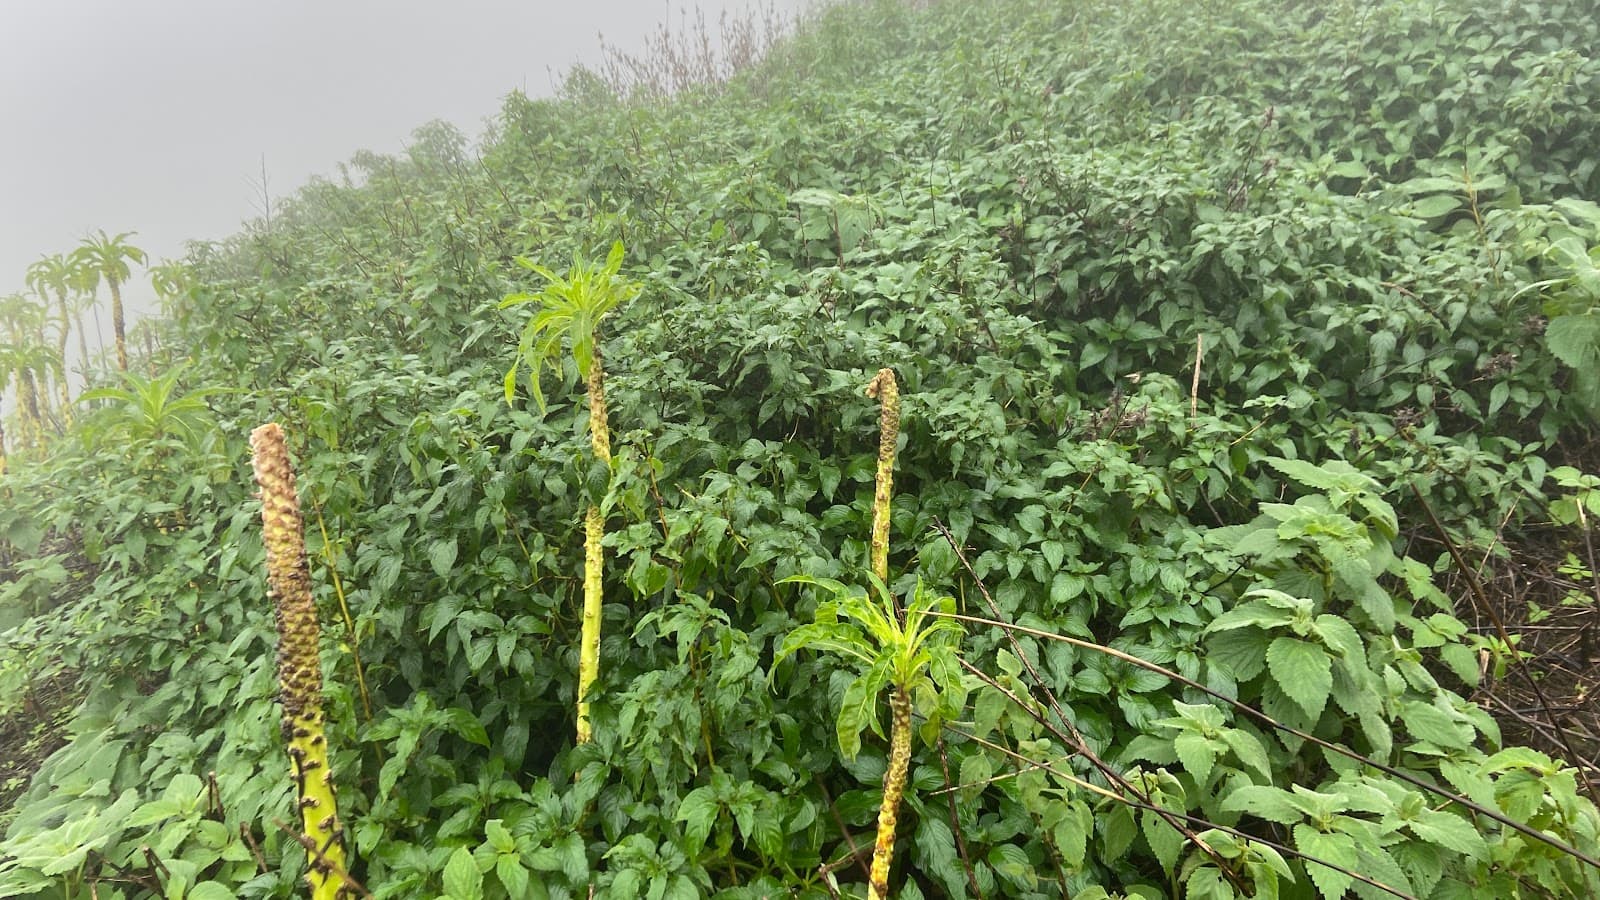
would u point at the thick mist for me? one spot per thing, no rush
(160, 117)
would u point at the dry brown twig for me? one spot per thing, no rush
(1194, 386)
(311, 848)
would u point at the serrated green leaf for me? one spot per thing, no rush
(1303, 671)
(1158, 750)
(1449, 831)
(1498, 395)
(1435, 206)
(1207, 883)
(1118, 830)
(937, 844)
(574, 858)
(1339, 849)
(766, 831)
(1307, 474)
(859, 708)
(185, 789)
(1249, 751)
(153, 812)
(1575, 339)
(495, 832)
(1349, 168)
(1340, 637)
(975, 772)
(1197, 753)
(442, 556)
(627, 883)
(1164, 840)
(513, 876)
(1264, 801)
(1257, 613)
(1242, 652)
(467, 726)
(987, 709)
(698, 812)
(1071, 833)
(1011, 863)
(1054, 552)
(462, 880)
(1428, 723)
(1356, 581)
(22, 882)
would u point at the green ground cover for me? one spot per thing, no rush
(1249, 340)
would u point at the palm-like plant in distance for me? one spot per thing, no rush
(109, 256)
(570, 310)
(51, 277)
(85, 286)
(35, 365)
(28, 360)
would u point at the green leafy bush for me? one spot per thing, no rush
(1034, 212)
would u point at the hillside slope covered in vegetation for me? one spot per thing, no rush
(1250, 345)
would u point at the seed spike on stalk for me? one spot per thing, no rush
(884, 389)
(594, 532)
(299, 666)
(894, 788)
(599, 417)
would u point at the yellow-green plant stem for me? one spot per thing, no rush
(594, 531)
(894, 788)
(570, 308)
(887, 392)
(299, 667)
(344, 610)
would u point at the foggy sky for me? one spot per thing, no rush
(155, 116)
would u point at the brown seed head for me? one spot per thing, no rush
(288, 577)
(886, 390)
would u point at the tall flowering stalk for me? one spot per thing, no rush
(594, 533)
(887, 392)
(570, 309)
(299, 667)
(910, 651)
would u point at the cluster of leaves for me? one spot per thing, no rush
(1032, 211)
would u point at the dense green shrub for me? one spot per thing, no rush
(1032, 211)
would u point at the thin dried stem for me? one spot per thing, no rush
(344, 610)
(1194, 386)
(1482, 601)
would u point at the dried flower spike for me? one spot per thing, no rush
(299, 667)
(887, 392)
